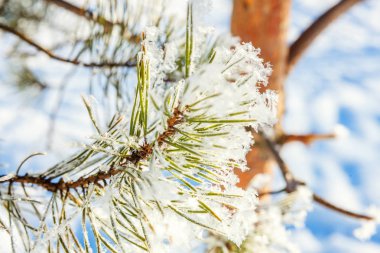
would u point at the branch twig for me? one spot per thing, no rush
(305, 139)
(87, 14)
(297, 49)
(331, 206)
(292, 184)
(84, 182)
(264, 193)
(62, 59)
(91, 16)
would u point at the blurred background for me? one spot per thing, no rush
(334, 87)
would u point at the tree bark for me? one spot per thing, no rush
(265, 24)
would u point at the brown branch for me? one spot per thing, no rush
(305, 139)
(136, 156)
(62, 59)
(298, 48)
(62, 185)
(264, 193)
(335, 208)
(87, 14)
(292, 184)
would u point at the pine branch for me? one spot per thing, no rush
(136, 156)
(292, 183)
(87, 14)
(299, 47)
(91, 16)
(172, 162)
(47, 52)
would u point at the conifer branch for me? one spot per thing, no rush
(87, 14)
(47, 52)
(136, 156)
(91, 16)
(299, 47)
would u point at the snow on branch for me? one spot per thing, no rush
(166, 164)
(52, 55)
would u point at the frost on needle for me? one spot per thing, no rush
(161, 175)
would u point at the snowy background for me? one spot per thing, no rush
(336, 83)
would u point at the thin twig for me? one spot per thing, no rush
(54, 113)
(261, 194)
(305, 139)
(91, 16)
(87, 14)
(292, 184)
(298, 48)
(331, 206)
(136, 156)
(62, 59)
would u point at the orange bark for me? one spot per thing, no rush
(265, 24)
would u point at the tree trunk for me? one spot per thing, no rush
(265, 24)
